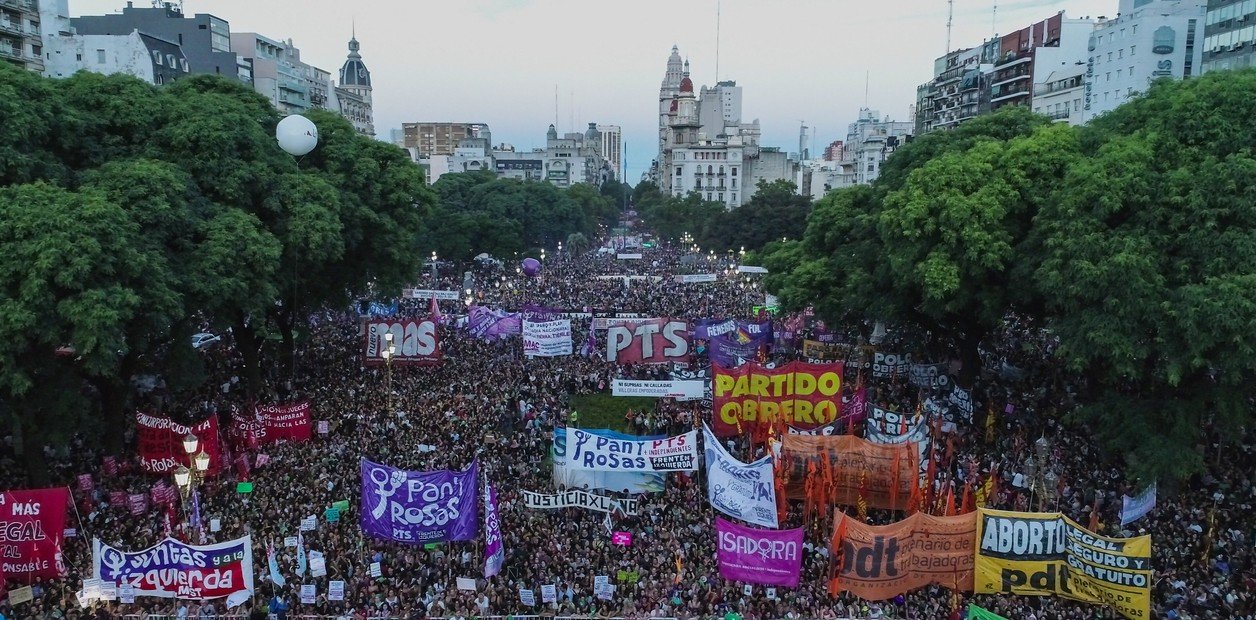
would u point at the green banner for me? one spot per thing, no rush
(341, 506)
(977, 613)
(244, 487)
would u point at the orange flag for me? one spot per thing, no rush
(950, 500)
(966, 505)
(838, 558)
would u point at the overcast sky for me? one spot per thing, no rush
(498, 61)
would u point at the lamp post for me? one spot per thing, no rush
(1043, 481)
(389, 351)
(188, 480)
(433, 267)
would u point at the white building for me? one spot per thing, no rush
(565, 161)
(611, 137)
(1060, 96)
(353, 93)
(147, 57)
(1149, 39)
(869, 141)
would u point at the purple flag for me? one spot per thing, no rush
(486, 323)
(494, 552)
(731, 341)
(752, 555)
(590, 342)
(419, 507)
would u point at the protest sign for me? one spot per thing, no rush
(172, 569)
(745, 491)
(336, 590)
(422, 293)
(419, 507)
(1045, 554)
(160, 443)
(754, 397)
(586, 450)
(527, 597)
(579, 498)
(32, 524)
(751, 555)
(878, 563)
(494, 549)
(683, 390)
(547, 338)
(466, 583)
(318, 564)
(648, 341)
(549, 593)
(272, 423)
(24, 594)
(308, 593)
(1135, 508)
(415, 342)
(377, 570)
(309, 524)
(623, 539)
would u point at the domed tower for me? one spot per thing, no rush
(355, 78)
(685, 123)
(669, 90)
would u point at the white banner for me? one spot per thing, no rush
(547, 338)
(891, 427)
(1135, 508)
(697, 277)
(744, 491)
(624, 256)
(684, 390)
(579, 498)
(586, 450)
(420, 293)
(172, 569)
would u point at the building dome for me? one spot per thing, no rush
(354, 71)
(686, 85)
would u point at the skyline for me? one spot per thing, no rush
(607, 62)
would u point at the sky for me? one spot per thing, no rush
(500, 61)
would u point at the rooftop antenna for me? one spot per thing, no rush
(556, 106)
(866, 74)
(950, 14)
(717, 41)
(994, 20)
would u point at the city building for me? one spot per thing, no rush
(611, 137)
(21, 42)
(1148, 40)
(833, 151)
(431, 139)
(869, 141)
(147, 57)
(1060, 96)
(1230, 35)
(705, 148)
(277, 71)
(564, 161)
(959, 90)
(204, 39)
(353, 93)
(1028, 56)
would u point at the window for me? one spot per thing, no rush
(1077, 105)
(183, 63)
(1109, 56)
(159, 79)
(1118, 74)
(1131, 73)
(679, 171)
(170, 59)
(1120, 53)
(721, 197)
(1135, 29)
(100, 57)
(1108, 77)
(734, 172)
(158, 59)
(734, 183)
(721, 169)
(1129, 92)
(78, 57)
(1132, 47)
(709, 196)
(710, 169)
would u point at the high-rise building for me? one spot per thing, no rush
(959, 90)
(20, 40)
(1029, 55)
(1148, 40)
(1230, 35)
(278, 73)
(611, 137)
(205, 39)
(353, 93)
(431, 139)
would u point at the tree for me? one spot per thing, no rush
(77, 275)
(672, 217)
(31, 134)
(1149, 271)
(775, 211)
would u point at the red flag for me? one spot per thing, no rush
(966, 505)
(950, 500)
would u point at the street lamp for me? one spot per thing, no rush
(190, 444)
(389, 351)
(433, 266)
(187, 480)
(542, 254)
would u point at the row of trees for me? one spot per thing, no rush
(478, 212)
(134, 216)
(775, 211)
(1132, 240)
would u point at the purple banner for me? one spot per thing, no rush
(732, 342)
(752, 555)
(419, 507)
(486, 323)
(494, 552)
(538, 314)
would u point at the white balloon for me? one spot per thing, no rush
(296, 134)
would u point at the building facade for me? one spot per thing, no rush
(959, 90)
(1060, 96)
(353, 93)
(1029, 55)
(277, 72)
(612, 148)
(857, 160)
(564, 161)
(432, 139)
(205, 39)
(1148, 40)
(21, 40)
(1230, 35)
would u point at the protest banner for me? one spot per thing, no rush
(844, 468)
(683, 390)
(648, 341)
(415, 342)
(696, 278)
(547, 338)
(1048, 554)
(731, 343)
(272, 423)
(684, 372)
(1135, 508)
(623, 539)
(488, 324)
(466, 583)
(745, 491)
(887, 365)
(419, 507)
(494, 550)
(818, 352)
(928, 376)
(173, 569)
(751, 555)
(586, 450)
(160, 443)
(527, 597)
(877, 563)
(579, 498)
(752, 398)
(423, 293)
(571, 477)
(891, 427)
(32, 529)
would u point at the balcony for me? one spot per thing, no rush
(11, 52)
(21, 5)
(11, 28)
(1014, 58)
(1061, 115)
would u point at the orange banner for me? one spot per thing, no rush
(877, 563)
(840, 469)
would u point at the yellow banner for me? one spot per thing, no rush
(1048, 554)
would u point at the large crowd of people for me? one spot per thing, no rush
(487, 400)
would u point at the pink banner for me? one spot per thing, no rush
(648, 341)
(752, 555)
(414, 342)
(161, 443)
(624, 539)
(32, 524)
